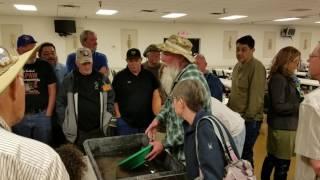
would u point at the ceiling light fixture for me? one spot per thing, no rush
(25, 7)
(318, 22)
(287, 19)
(106, 12)
(224, 11)
(149, 10)
(233, 17)
(174, 15)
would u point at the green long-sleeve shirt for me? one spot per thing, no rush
(247, 91)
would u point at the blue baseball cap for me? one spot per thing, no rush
(24, 40)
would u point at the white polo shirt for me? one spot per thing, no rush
(230, 119)
(308, 136)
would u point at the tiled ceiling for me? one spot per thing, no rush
(199, 11)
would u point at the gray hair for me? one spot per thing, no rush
(84, 35)
(192, 92)
(201, 57)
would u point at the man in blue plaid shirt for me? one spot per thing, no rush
(177, 56)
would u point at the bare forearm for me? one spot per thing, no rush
(52, 90)
(156, 102)
(316, 166)
(116, 110)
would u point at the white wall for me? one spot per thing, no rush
(109, 40)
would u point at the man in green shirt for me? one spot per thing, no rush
(247, 92)
(177, 57)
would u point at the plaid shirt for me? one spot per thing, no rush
(175, 134)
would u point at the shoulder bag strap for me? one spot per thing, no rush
(225, 138)
(217, 133)
(230, 156)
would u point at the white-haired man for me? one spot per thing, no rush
(177, 56)
(88, 39)
(215, 85)
(308, 132)
(21, 158)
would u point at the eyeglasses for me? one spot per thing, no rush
(313, 56)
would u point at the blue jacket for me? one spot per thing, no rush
(215, 85)
(211, 155)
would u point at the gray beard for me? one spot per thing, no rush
(168, 76)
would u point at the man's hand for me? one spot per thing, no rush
(112, 128)
(151, 131)
(316, 166)
(48, 113)
(157, 148)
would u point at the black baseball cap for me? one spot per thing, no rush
(133, 53)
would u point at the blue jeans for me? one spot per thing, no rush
(36, 126)
(252, 132)
(123, 128)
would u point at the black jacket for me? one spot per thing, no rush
(284, 101)
(210, 151)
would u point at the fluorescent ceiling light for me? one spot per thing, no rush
(318, 22)
(106, 12)
(287, 19)
(233, 17)
(174, 15)
(25, 7)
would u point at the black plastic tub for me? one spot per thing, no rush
(105, 153)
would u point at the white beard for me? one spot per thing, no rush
(169, 74)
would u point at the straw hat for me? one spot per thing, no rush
(178, 45)
(10, 66)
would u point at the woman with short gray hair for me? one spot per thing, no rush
(201, 145)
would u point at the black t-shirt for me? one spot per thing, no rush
(37, 77)
(88, 88)
(134, 96)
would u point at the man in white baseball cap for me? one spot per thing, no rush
(85, 101)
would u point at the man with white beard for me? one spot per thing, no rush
(177, 56)
(168, 76)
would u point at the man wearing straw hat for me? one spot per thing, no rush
(21, 158)
(177, 56)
